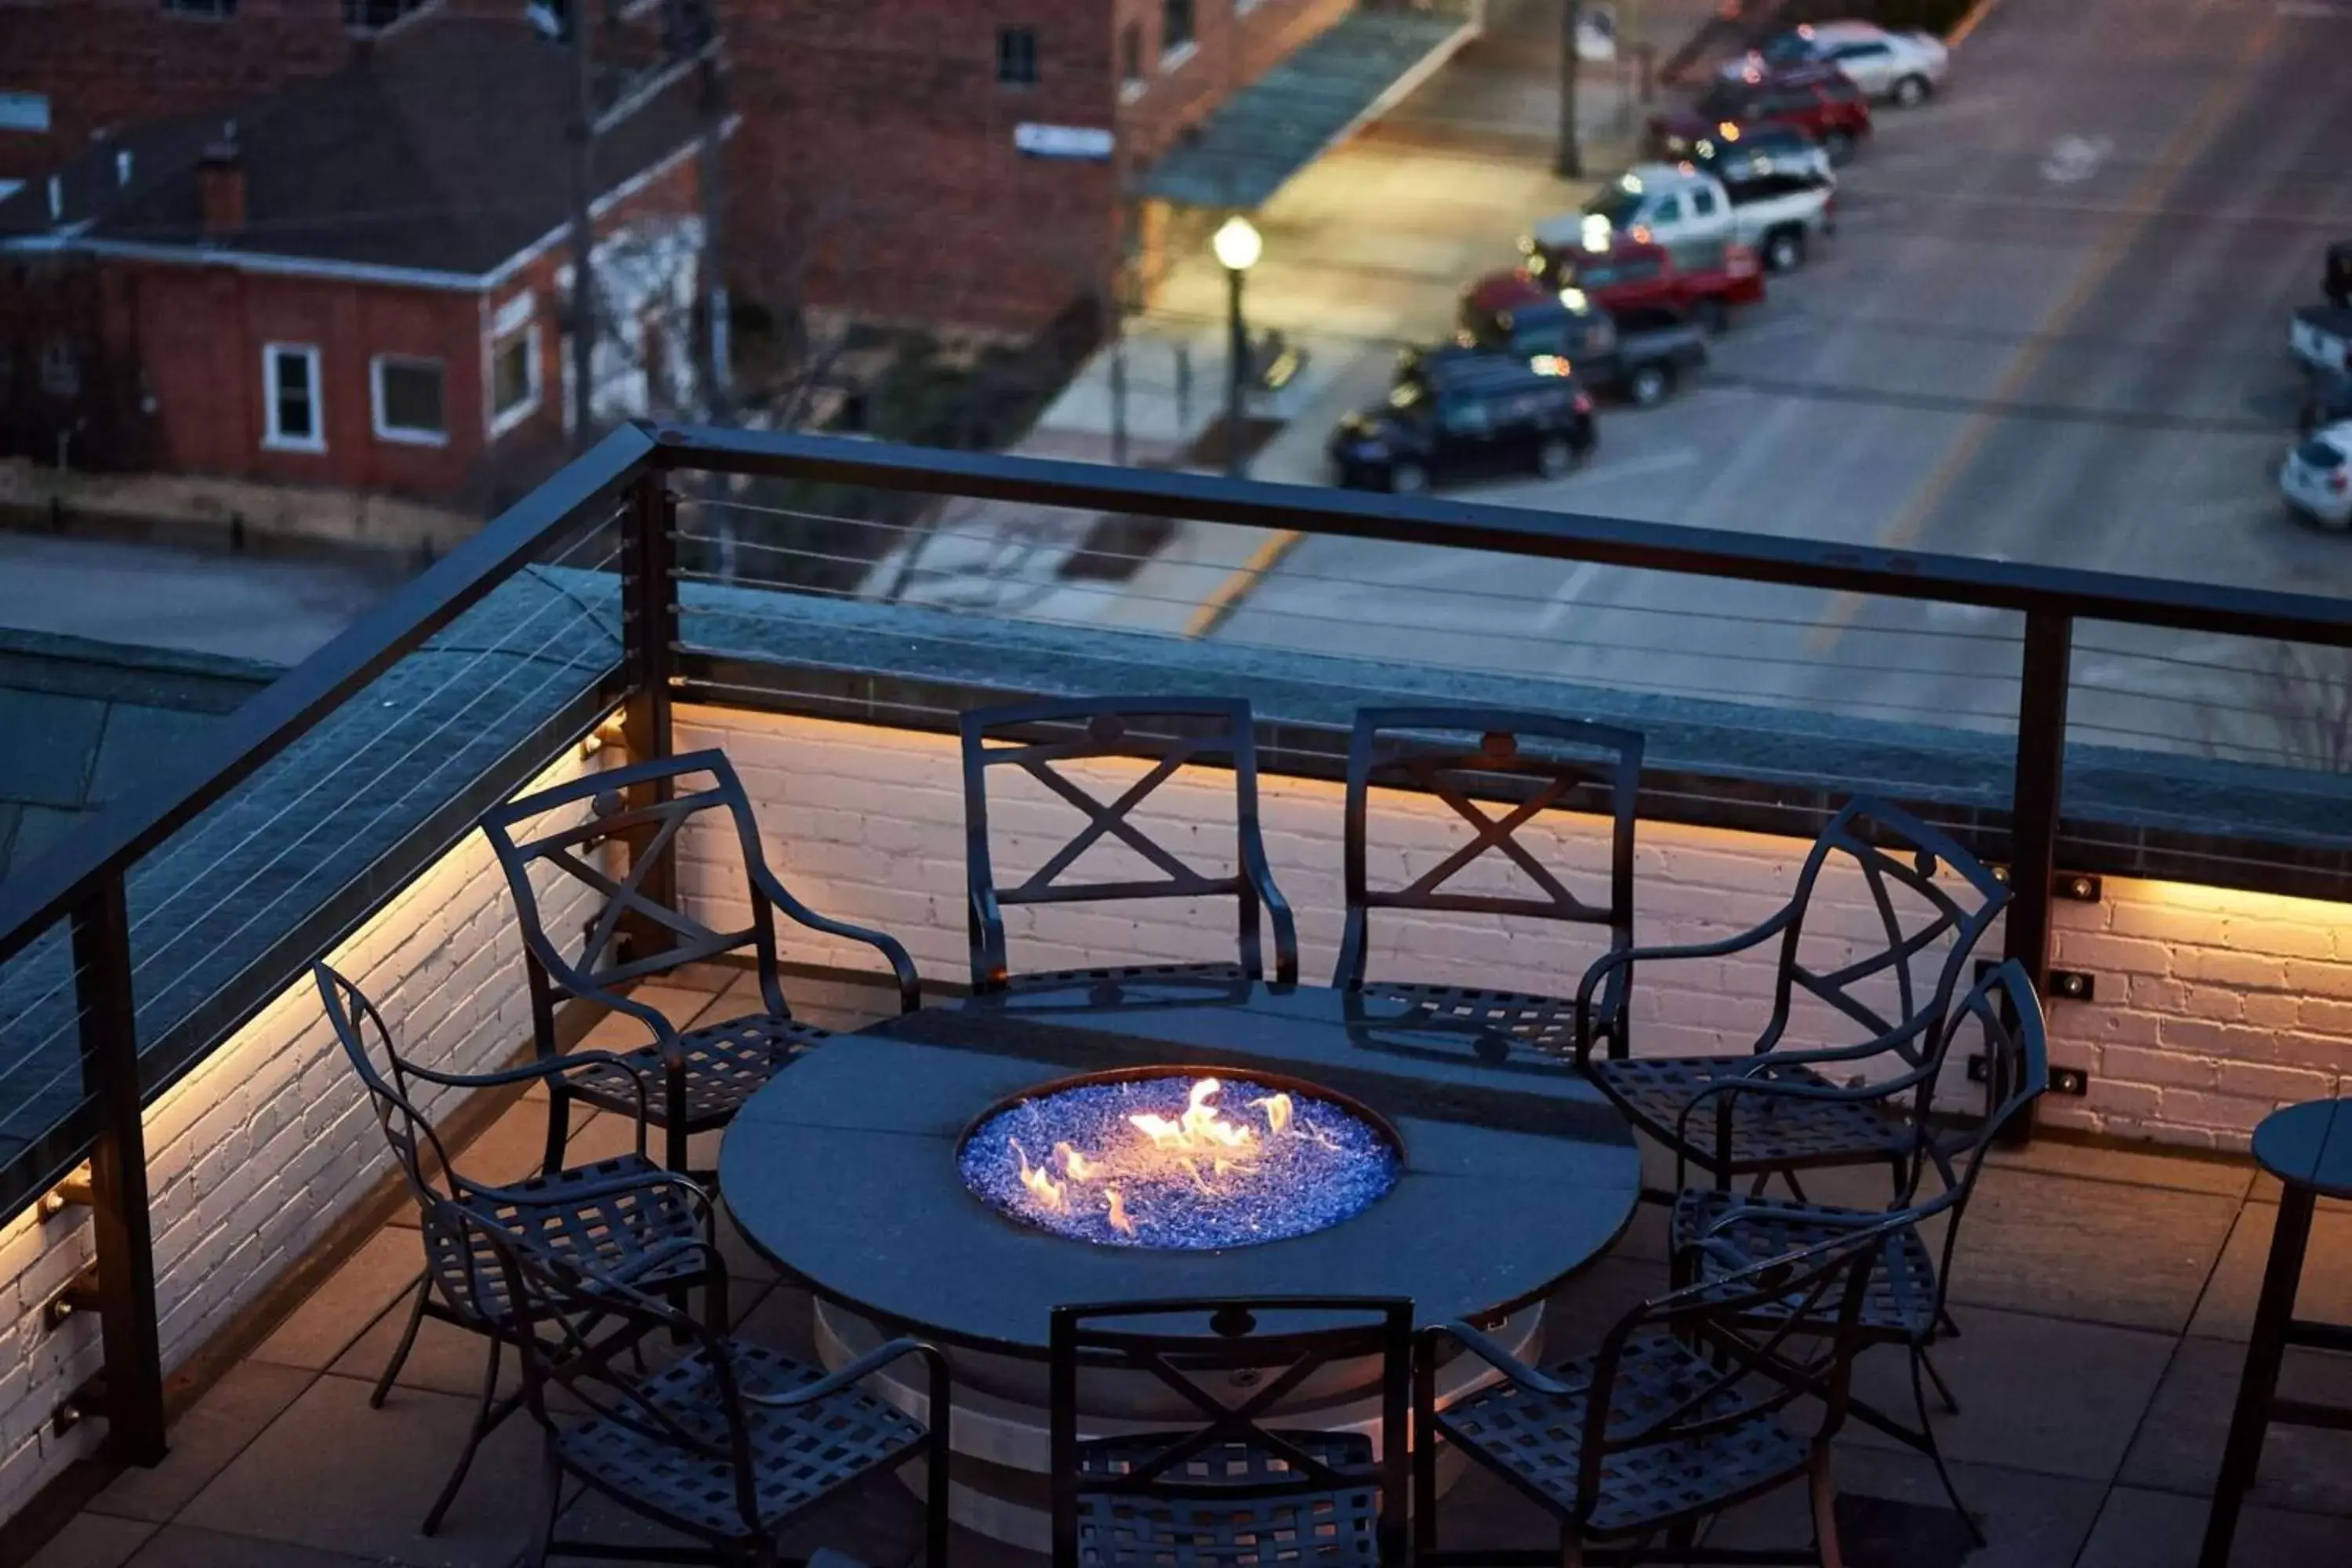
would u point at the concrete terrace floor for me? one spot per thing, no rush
(2104, 1297)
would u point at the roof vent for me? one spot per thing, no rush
(220, 186)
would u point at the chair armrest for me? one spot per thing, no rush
(1277, 909)
(1726, 1090)
(893, 951)
(872, 1362)
(1483, 1345)
(1623, 958)
(543, 1067)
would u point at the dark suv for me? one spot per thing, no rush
(1462, 416)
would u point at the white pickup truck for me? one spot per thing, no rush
(1778, 213)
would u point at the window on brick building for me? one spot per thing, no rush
(289, 377)
(1130, 55)
(514, 366)
(1176, 35)
(374, 15)
(410, 405)
(202, 8)
(1016, 57)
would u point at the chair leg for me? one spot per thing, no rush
(674, 1142)
(473, 1441)
(559, 1128)
(937, 1461)
(1951, 1402)
(1571, 1548)
(1425, 1453)
(1824, 1494)
(1934, 1450)
(407, 1342)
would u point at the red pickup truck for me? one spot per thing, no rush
(1629, 274)
(1816, 100)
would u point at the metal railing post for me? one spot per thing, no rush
(649, 659)
(2034, 801)
(132, 1396)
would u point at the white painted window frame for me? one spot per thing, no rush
(400, 434)
(502, 421)
(272, 437)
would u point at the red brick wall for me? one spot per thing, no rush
(108, 62)
(201, 331)
(876, 151)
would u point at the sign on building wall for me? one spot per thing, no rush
(1087, 143)
(24, 112)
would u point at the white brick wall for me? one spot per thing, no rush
(255, 1154)
(2213, 1006)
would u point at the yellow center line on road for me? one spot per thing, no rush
(1903, 531)
(1210, 613)
(1969, 23)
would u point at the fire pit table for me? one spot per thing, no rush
(959, 1172)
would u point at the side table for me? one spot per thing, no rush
(2309, 1149)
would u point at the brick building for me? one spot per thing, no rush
(71, 68)
(358, 282)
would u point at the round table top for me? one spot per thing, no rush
(843, 1170)
(2309, 1145)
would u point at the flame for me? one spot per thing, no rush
(1201, 1129)
(1076, 1166)
(1118, 1220)
(1040, 1183)
(1277, 1113)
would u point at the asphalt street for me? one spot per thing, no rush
(2051, 329)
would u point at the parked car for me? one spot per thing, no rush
(1902, 67)
(2321, 337)
(2317, 477)
(1816, 100)
(1620, 273)
(1452, 417)
(1732, 153)
(1776, 214)
(1640, 354)
(2335, 279)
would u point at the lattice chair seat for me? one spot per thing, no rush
(1900, 1300)
(799, 1454)
(1539, 1438)
(612, 1229)
(1767, 1133)
(726, 1064)
(1336, 1528)
(1547, 1024)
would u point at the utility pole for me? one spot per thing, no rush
(1570, 161)
(584, 236)
(719, 394)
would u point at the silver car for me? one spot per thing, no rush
(2317, 477)
(1903, 69)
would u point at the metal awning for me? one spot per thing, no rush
(1254, 141)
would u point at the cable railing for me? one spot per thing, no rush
(651, 569)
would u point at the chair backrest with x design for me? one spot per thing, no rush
(1653, 1403)
(636, 930)
(1895, 972)
(1039, 739)
(1580, 766)
(1210, 1376)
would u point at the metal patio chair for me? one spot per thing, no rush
(1679, 1415)
(1171, 733)
(1393, 745)
(1221, 1480)
(1792, 1115)
(702, 1076)
(727, 1442)
(617, 1214)
(1905, 1302)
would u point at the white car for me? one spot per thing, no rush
(1899, 67)
(2317, 477)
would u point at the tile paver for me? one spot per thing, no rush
(2228, 1310)
(2178, 1448)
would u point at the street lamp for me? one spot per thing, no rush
(1238, 246)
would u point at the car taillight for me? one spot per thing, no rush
(2339, 481)
(1583, 405)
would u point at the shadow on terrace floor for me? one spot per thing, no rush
(2103, 1296)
